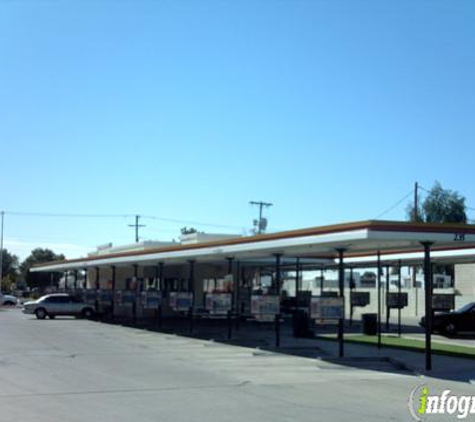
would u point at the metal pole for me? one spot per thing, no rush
(98, 285)
(134, 304)
(191, 284)
(238, 295)
(379, 300)
(297, 282)
(278, 278)
(160, 287)
(387, 293)
(85, 279)
(230, 272)
(352, 286)
(65, 280)
(75, 279)
(428, 300)
(341, 282)
(160, 276)
(399, 298)
(322, 276)
(191, 276)
(242, 276)
(113, 290)
(278, 282)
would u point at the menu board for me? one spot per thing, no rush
(327, 308)
(151, 299)
(128, 297)
(359, 298)
(443, 302)
(265, 307)
(396, 300)
(180, 301)
(218, 303)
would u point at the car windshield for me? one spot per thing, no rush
(465, 308)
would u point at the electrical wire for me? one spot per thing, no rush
(196, 223)
(395, 205)
(153, 217)
(67, 215)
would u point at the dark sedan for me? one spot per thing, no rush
(460, 321)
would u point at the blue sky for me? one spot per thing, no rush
(190, 109)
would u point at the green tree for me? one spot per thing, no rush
(9, 270)
(440, 206)
(40, 280)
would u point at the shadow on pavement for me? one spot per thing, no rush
(262, 338)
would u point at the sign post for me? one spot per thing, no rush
(397, 301)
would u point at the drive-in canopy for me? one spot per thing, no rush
(359, 239)
(356, 242)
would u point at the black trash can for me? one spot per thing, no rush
(370, 324)
(301, 324)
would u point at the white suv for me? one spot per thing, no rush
(58, 304)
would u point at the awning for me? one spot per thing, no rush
(360, 241)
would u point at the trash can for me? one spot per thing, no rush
(370, 324)
(301, 324)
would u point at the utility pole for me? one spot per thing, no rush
(416, 198)
(415, 217)
(137, 225)
(261, 205)
(1, 248)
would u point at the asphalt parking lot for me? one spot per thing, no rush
(78, 370)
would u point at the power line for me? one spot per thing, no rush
(78, 215)
(196, 223)
(395, 205)
(68, 215)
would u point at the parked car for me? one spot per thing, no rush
(460, 321)
(58, 304)
(9, 300)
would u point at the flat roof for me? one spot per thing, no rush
(359, 239)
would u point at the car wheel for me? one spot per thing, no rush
(88, 313)
(450, 329)
(41, 313)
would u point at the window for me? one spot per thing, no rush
(58, 299)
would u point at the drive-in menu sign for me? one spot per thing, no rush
(327, 308)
